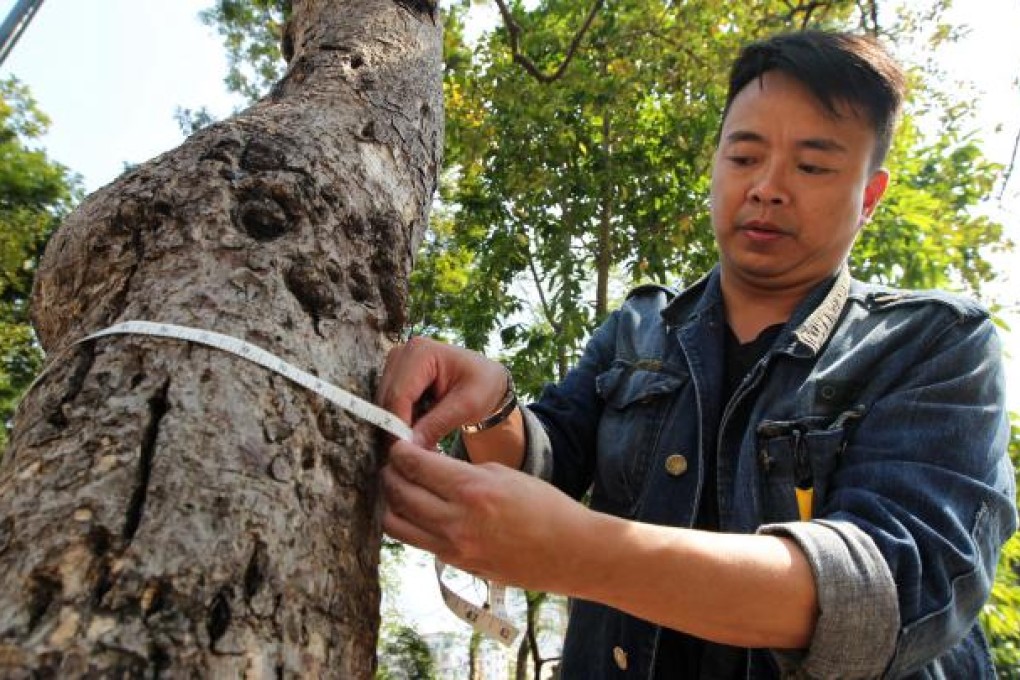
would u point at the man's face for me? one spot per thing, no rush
(791, 185)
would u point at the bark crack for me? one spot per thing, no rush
(255, 573)
(218, 617)
(6, 533)
(84, 359)
(420, 8)
(43, 589)
(99, 542)
(158, 407)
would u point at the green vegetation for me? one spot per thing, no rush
(1001, 616)
(404, 655)
(35, 193)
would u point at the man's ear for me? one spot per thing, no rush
(873, 193)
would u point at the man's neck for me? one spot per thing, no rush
(750, 309)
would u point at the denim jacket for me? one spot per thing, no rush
(887, 404)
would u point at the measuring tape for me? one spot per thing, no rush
(489, 619)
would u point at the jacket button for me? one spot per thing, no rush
(676, 465)
(620, 657)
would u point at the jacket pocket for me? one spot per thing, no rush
(637, 398)
(796, 460)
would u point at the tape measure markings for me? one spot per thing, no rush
(349, 402)
(491, 620)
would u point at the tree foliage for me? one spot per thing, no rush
(252, 32)
(404, 655)
(928, 231)
(35, 193)
(558, 190)
(554, 186)
(1001, 615)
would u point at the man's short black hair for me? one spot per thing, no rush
(838, 69)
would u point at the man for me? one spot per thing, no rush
(791, 473)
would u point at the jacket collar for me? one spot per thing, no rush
(812, 322)
(698, 299)
(821, 318)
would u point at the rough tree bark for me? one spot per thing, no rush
(167, 508)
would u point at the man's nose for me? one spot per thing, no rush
(769, 189)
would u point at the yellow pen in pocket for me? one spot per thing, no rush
(805, 497)
(804, 478)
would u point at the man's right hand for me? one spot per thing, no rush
(462, 386)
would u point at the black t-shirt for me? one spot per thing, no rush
(682, 656)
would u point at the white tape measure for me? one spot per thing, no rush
(489, 619)
(352, 404)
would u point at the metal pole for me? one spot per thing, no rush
(15, 24)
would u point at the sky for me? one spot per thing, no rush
(111, 73)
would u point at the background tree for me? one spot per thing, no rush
(35, 194)
(253, 35)
(167, 508)
(404, 655)
(531, 646)
(557, 189)
(1001, 616)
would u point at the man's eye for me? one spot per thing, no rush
(809, 169)
(740, 161)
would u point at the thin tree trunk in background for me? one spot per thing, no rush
(523, 650)
(475, 656)
(535, 601)
(605, 235)
(171, 508)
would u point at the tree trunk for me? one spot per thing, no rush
(171, 508)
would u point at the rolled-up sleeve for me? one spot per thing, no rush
(538, 459)
(856, 601)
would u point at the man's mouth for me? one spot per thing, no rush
(761, 231)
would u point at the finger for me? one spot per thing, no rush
(405, 379)
(443, 418)
(447, 413)
(405, 531)
(415, 503)
(440, 475)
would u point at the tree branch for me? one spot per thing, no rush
(805, 10)
(869, 11)
(1012, 165)
(514, 33)
(546, 309)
